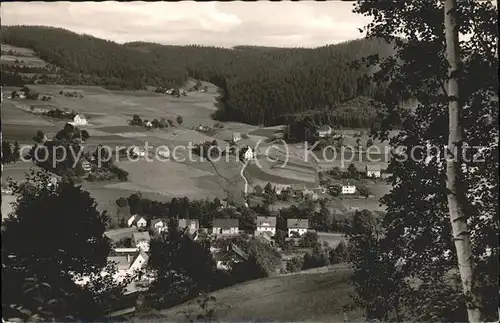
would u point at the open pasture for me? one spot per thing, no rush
(315, 297)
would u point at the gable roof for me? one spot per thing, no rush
(121, 262)
(81, 116)
(141, 236)
(226, 223)
(184, 223)
(297, 223)
(118, 234)
(156, 221)
(266, 221)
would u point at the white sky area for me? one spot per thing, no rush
(225, 24)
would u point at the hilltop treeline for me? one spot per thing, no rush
(257, 84)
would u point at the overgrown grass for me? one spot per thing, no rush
(311, 297)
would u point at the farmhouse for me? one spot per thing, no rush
(131, 220)
(141, 223)
(163, 152)
(236, 137)
(247, 153)
(158, 225)
(141, 240)
(192, 225)
(299, 226)
(373, 171)
(41, 108)
(80, 120)
(348, 189)
(148, 124)
(324, 131)
(265, 224)
(86, 165)
(233, 254)
(225, 227)
(136, 220)
(310, 194)
(137, 152)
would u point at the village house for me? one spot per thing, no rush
(247, 153)
(236, 137)
(141, 240)
(86, 165)
(324, 131)
(20, 94)
(192, 225)
(348, 189)
(40, 109)
(136, 220)
(225, 227)
(163, 152)
(137, 152)
(158, 225)
(132, 219)
(148, 124)
(310, 194)
(300, 226)
(265, 224)
(79, 120)
(226, 258)
(141, 223)
(373, 171)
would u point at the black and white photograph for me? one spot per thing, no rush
(238, 161)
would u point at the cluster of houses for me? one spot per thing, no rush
(133, 258)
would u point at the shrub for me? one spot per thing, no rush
(121, 174)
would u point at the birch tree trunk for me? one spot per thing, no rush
(458, 217)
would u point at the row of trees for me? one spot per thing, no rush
(155, 123)
(10, 152)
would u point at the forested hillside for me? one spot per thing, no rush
(258, 85)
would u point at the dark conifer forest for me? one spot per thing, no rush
(257, 85)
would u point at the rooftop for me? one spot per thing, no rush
(184, 223)
(121, 262)
(297, 223)
(372, 167)
(226, 223)
(266, 221)
(141, 236)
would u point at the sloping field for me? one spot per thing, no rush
(311, 297)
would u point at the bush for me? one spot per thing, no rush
(121, 174)
(295, 264)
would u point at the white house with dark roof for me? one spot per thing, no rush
(265, 224)
(300, 226)
(80, 120)
(324, 131)
(225, 227)
(159, 225)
